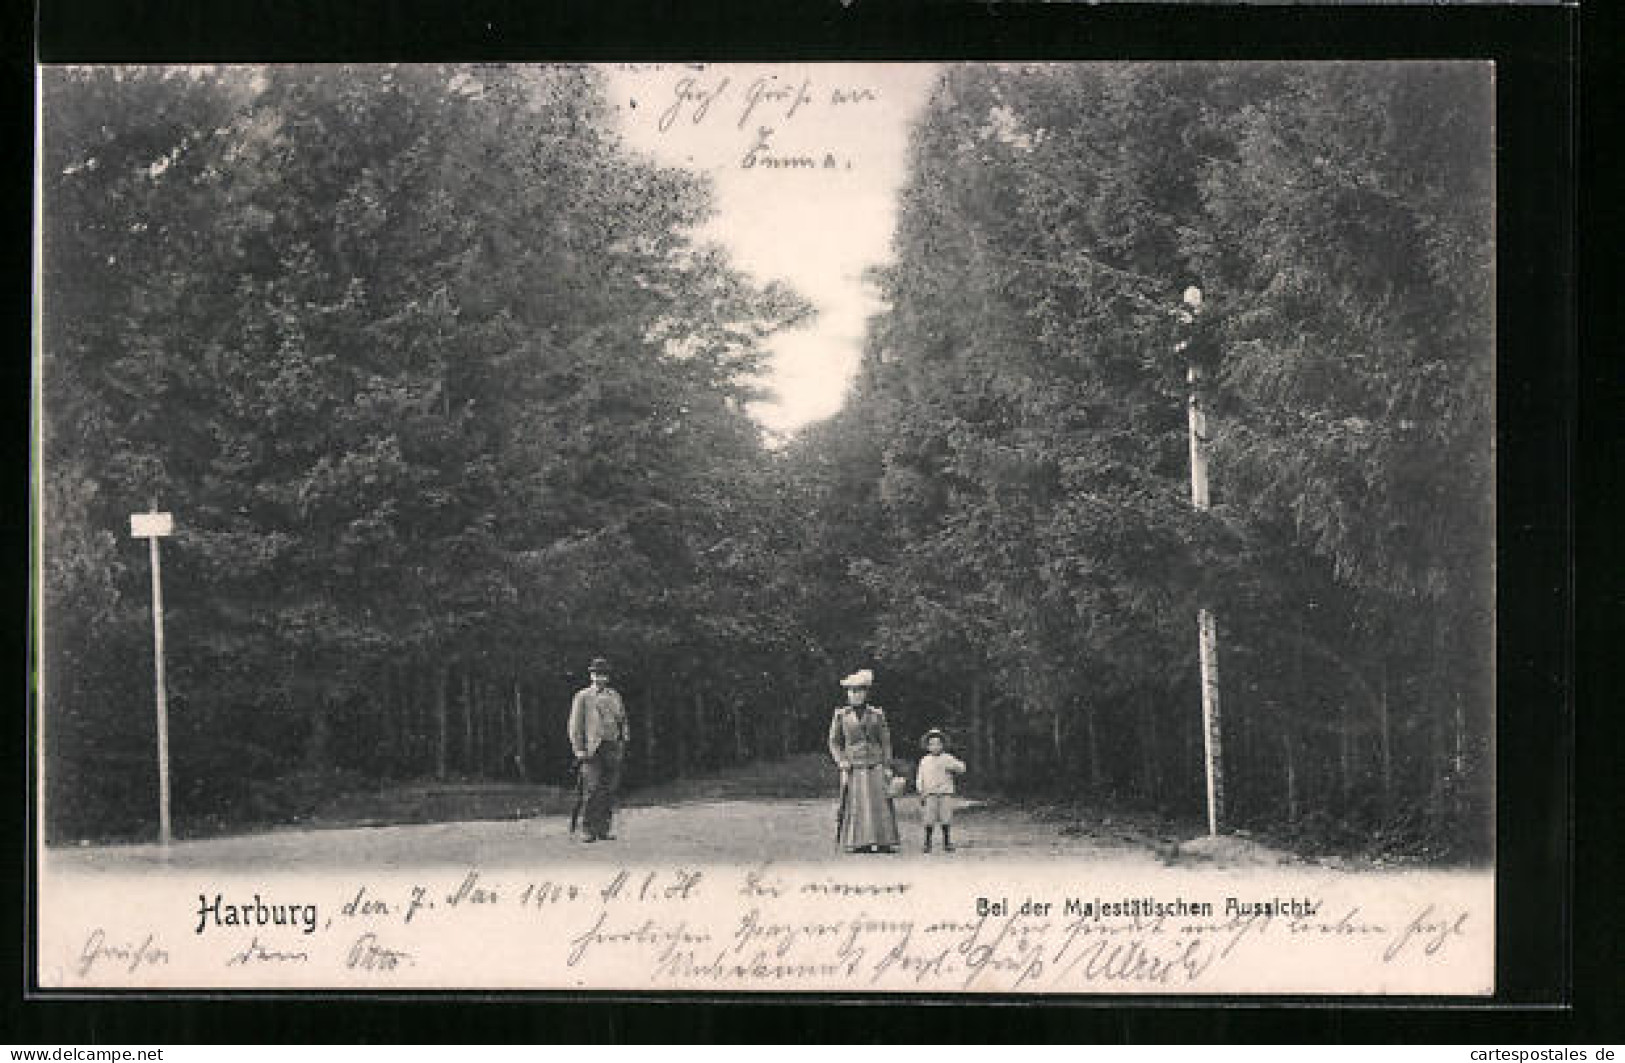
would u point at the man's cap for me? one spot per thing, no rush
(599, 664)
(863, 678)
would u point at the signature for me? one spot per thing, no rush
(256, 952)
(367, 954)
(1431, 931)
(96, 949)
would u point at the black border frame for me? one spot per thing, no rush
(1538, 373)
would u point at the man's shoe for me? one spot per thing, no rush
(948, 847)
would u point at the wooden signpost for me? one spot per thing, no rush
(152, 527)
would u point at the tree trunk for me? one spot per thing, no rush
(1459, 745)
(1092, 736)
(1345, 755)
(495, 714)
(697, 732)
(1298, 697)
(421, 695)
(994, 761)
(401, 696)
(1385, 747)
(498, 755)
(1458, 786)
(476, 707)
(1291, 776)
(442, 712)
(392, 741)
(405, 720)
(1148, 751)
(468, 721)
(978, 746)
(646, 727)
(317, 747)
(485, 727)
(486, 739)
(741, 748)
(519, 732)
(1438, 751)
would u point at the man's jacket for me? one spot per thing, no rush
(594, 717)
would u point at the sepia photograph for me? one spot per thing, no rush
(861, 528)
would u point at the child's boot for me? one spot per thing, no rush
(947, 840)
(928, 839)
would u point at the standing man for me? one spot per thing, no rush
(598, 736)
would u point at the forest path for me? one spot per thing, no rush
(699, 831)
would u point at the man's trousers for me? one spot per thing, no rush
(601, 777)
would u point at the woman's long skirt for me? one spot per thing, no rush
(870, 818)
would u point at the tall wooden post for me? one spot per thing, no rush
(152, 527)
(1207, 639)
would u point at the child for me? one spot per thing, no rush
(935, 782)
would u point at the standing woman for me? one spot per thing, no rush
(860, 744)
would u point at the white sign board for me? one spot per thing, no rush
(151, 525)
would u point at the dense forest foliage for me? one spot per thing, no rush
(447, 398)
(445, 401)
(1019, 438)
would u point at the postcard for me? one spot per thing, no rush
(842, 528)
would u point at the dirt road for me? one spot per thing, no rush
(717, 831)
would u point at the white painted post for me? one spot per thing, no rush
(152, 527)
(1207, 638)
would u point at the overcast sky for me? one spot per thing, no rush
(816, 229)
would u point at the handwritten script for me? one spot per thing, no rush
(698, 98)
(798, 928)
(766, 110)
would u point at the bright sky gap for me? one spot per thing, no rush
(816, 228)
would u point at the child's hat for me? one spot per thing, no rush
(863, 678)
(935, 732)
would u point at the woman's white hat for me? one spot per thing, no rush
(863, 677)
